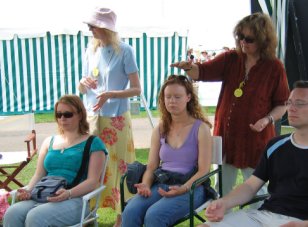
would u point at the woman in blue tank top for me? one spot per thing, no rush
(61, 155)
(180, 146)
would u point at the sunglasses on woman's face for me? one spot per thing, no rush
(64, 114)
(247, 39)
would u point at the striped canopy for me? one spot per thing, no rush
(277, 9)
(37, 69)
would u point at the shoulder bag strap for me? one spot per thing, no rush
(85, 160)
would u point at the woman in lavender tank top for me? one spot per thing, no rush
(180, 143)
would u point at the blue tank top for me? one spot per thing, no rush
(66, 164)
(184, 158)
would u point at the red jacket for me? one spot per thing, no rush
(266, 88)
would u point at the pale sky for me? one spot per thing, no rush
(210, 22)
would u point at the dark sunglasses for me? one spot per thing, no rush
(247, 39)
(65, 114)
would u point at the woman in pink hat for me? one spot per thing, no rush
(110, 77)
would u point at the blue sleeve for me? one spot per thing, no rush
(130, 65)
(98, 145)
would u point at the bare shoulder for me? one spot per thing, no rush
(205, 128)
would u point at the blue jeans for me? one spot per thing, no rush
(157, 210)
(32, 214)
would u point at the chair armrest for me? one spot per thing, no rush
(93, 193)
(13, 195)
(122, 181)
(30, 137)
(255, 199)
(203, 179)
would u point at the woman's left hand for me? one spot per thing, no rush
(173, 191)
(260, 124)
(61, 195)
(102, 98)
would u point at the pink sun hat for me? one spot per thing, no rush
(103, 18)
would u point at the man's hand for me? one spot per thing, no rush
(215, 211)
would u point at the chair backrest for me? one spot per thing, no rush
(217, 150)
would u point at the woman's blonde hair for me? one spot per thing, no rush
(112, 38)
(75, 102)
(193, 107)
(264, 34)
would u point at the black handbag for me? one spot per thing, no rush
(49, 185)
(135, 172)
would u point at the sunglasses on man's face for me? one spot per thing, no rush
(64, 114)
(247, 39)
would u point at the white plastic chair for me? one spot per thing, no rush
(95, 194)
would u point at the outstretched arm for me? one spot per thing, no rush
(189, 67)
(240, 195)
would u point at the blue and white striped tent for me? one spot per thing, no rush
(37, 66)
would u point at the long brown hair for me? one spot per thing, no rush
(75, 102)
(263, 29)
(193, 107)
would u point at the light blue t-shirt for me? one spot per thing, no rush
(67, 163)
(112, 70)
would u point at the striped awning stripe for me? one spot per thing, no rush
(277, 9)
(35, 72)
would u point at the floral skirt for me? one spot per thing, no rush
(116, 133)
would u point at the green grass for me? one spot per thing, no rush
(49, 117)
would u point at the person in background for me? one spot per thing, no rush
(60, 156)
(204, 56)
(179, 143)
(190, 55)
(284, 166)
(254, 89)
(109, 79)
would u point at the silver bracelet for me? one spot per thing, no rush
(69, 194)
(271, 119)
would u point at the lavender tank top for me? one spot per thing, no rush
(183, 159)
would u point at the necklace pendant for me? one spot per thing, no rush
(95, 72)
(238, 92)
(62, 150)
